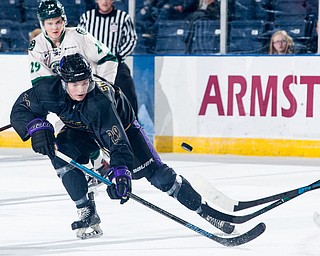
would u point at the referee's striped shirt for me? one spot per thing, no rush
(115, 30)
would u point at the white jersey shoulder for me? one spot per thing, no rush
(44, 57)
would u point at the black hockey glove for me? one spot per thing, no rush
(42, 137)
(121, 178)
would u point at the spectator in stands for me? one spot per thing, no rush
(207, 9)
(147, 16)
(146, 24)
(170, 10)
(115, 29)
(281, 43)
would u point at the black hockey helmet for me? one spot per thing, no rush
(49, 9)
(73, 68)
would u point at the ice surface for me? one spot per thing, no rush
(36, 213)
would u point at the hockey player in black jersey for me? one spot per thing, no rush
(96, 115)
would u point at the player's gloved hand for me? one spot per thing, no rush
(42, 137)
(121, 178)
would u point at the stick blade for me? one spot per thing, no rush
(244, 238)
(213, 195)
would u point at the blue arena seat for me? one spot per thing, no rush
(263, 10)
(243, 9)
(73, 9)
(251, 9)
(30, 9)
(296, 29)
(10, 9)
(246, 37)
(10, 34)
(205, 37)
(171, 36)
(7, 27)
(290, 10)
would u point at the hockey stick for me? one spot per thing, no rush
(291, 193)
(288, 196)
(215, 196)
(223, 201)
(5, 127)
(233, 241)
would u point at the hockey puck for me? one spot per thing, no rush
(186, 147)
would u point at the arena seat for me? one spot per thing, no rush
(171, 36)
(290, 10)
(246, 36)
(73, 9)
(30, 9)
(10, 9)
(9, 34)
(206, 37)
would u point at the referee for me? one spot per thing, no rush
(115, 29)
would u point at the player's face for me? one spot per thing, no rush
(78, 90)
(105, 6)
(54, 27)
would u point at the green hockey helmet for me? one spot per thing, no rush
(49, 9)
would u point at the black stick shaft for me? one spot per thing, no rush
(244, 218)
(291, 193)
(5, 127)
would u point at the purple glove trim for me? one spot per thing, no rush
(121, 176)
(39, 124)
(121, 171)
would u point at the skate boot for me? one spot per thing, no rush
(89, 220)
(224, 226)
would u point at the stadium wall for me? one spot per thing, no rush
(245, 105)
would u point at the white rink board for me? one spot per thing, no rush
(181, 83)
(180, 87)
(14, 79)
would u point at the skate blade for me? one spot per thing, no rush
(95, 232)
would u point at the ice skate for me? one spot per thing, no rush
(88, 224)
(224, 226)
